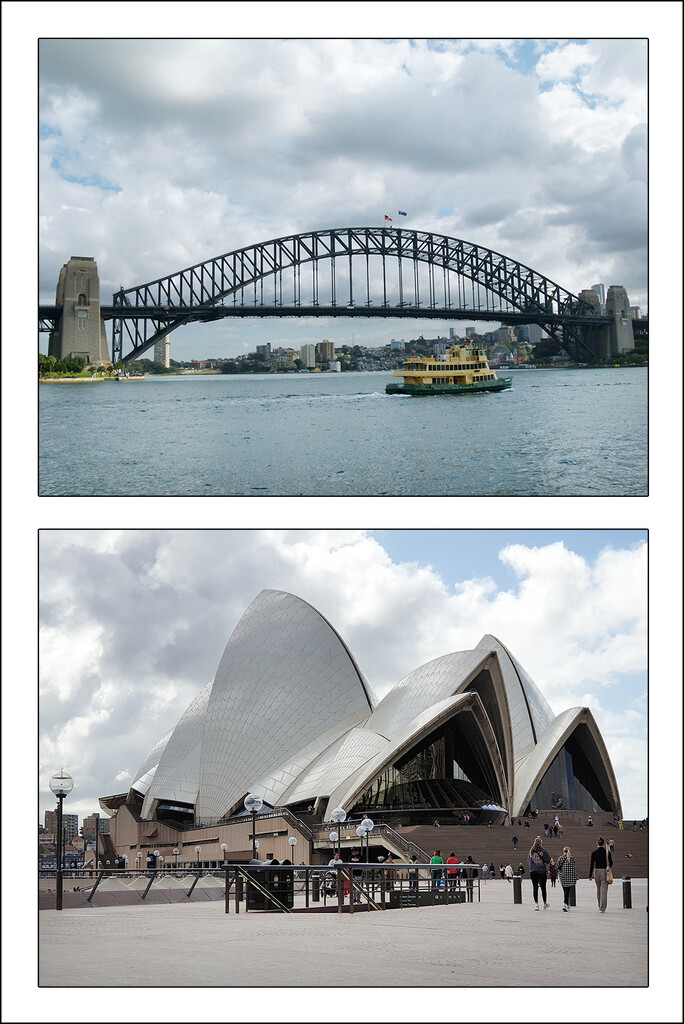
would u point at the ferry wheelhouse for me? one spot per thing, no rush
(463, 370)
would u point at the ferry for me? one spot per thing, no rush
(464, 370)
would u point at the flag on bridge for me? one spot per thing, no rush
(401, 213)
(388, 218)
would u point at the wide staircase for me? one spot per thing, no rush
(495, 845)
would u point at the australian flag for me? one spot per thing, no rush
(401, 213)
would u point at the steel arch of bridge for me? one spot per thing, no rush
(237, 284)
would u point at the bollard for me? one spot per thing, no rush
(626, 893)
(517, 889)
(316, 889)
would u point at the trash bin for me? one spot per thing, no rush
(256, 900)
(517, 889)
(626, 893)
(282, 886)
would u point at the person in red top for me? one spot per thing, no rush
(452, 872)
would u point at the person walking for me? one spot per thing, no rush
(515, 843)
(567, 871)
(553, 872)
(537, 861)
(601, 860)
(502, 872)
(452, 872)
(413, 875)
(471, 873)
(492, 873)
(436, 871)
(508, 872)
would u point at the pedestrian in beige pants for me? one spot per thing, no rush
(600, 859)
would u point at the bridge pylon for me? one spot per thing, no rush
(80, 330)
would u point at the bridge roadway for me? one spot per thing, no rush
(206, 313)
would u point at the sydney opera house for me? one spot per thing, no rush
(290, 717)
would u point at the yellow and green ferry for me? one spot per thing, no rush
(463, 370)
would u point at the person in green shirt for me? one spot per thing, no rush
(436, 872)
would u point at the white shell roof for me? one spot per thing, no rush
(145, 773)
(176, 778)
(529, 710)
(290, 716)
(531, 769)
(423, 687)
(285, 678)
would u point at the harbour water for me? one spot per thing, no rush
(556, 432)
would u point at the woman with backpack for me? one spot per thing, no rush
(538, 861)
(567, 872)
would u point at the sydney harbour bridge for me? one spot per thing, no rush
(338, 272)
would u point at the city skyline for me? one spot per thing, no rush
(534, 148)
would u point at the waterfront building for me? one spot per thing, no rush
(264, 350)
(307, 355)
(290, 716)
(162, 351)
(325, 350)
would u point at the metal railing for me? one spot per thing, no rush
(264, 886)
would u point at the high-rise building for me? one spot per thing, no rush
(601, 292)
(69, 824)
(325, 350)
(307, 354)
(94, 824)
(264, 350)
(162, 351)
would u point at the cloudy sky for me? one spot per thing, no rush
(133, 624)
(156, 154)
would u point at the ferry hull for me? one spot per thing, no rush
(499, 384)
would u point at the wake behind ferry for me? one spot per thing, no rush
(464, 370)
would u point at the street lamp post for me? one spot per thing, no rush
(175, 853)
(367, 825)
(253, 803)
(198, 850)
(61, 785)
(338, 816)
(224, 849)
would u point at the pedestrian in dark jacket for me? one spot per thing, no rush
(553, 872)
(600, 860)
(567, 871)
(537, 861)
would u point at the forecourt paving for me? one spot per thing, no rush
(491, 943)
